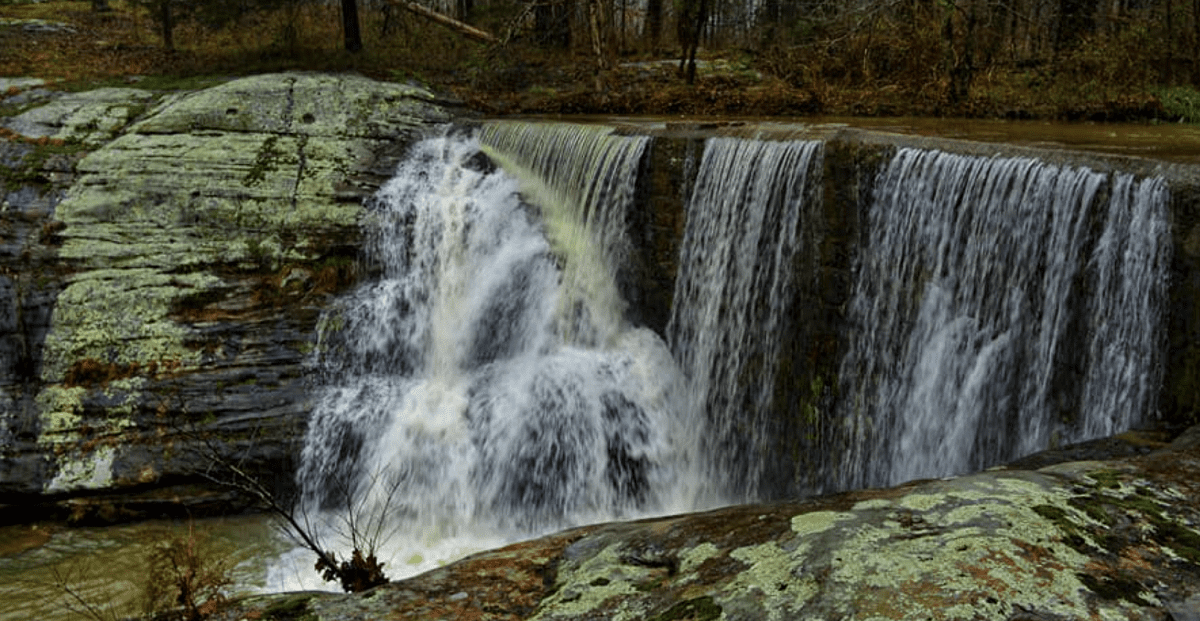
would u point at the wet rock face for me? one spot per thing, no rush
(164, 263)
(1081, 540)
(33, 180)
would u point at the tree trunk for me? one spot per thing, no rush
(168, 26)
(692, 18)
(594, 21)
(1075, 19)
(466, 30)
(552, 22)
(350, 26)
(1170, 73)
(654, 15)
(960, 64)
(464, 10)
(1196, 43)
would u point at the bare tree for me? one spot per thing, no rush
(693, 15)
(654, 21)
(364, 527)
(350, 29)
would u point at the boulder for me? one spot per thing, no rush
(183, 264)
(1117, 539)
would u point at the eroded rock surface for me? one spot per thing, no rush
(1082, 540)
(170, 280)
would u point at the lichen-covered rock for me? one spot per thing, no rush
(90, 117)
(1111, 540)
(192, 253)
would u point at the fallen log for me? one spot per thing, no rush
(466, 30)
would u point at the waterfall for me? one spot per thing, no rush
(586, 178)
(480, 390)
(988, 321)
(488, 385)
(732, 292)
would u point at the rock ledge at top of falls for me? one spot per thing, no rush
(170, 255)
(1111, 540)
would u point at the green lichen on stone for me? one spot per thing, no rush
(698, 609)
(90, 469)
(92, 117)
(1110, 479)
(119, 317)
(289, 608)
(872, 504)
(692, 559)
(972, 554)
(775, 574)
(1116, 588)
(920, 502)
(601, 582)
(29, 170)
(60, 409)
(125, 394)
(265, 161)
(815, 522)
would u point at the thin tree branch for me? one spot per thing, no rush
(466, 30)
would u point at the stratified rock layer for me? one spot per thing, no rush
(1081, 540)
(186, 266)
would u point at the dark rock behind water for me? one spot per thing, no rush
(164, 261)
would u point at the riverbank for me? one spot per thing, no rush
(75, 48)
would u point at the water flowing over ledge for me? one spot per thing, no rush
(989, 320)
(176, 276)
(489, 385)
(481, 390)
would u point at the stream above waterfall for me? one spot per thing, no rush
(1173, 142)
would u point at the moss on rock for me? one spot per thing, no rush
(187, 225)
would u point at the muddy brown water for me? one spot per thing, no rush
(1174, 142)
(106, 567)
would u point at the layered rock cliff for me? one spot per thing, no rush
(169, 256)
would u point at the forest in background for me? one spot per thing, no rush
(1061, 59)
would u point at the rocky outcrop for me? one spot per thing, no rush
(1118, 539)
(167, 287)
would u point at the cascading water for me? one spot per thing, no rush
(585, 177)
(732, 291)
(487, 386)
(460, 402)
(988, 321)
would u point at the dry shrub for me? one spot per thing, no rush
(356, 574)
(185, 578)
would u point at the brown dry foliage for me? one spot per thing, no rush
(895, 59)
(185, 578)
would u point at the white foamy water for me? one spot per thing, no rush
(460, 403)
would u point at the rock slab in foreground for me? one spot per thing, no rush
(1110, 540)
